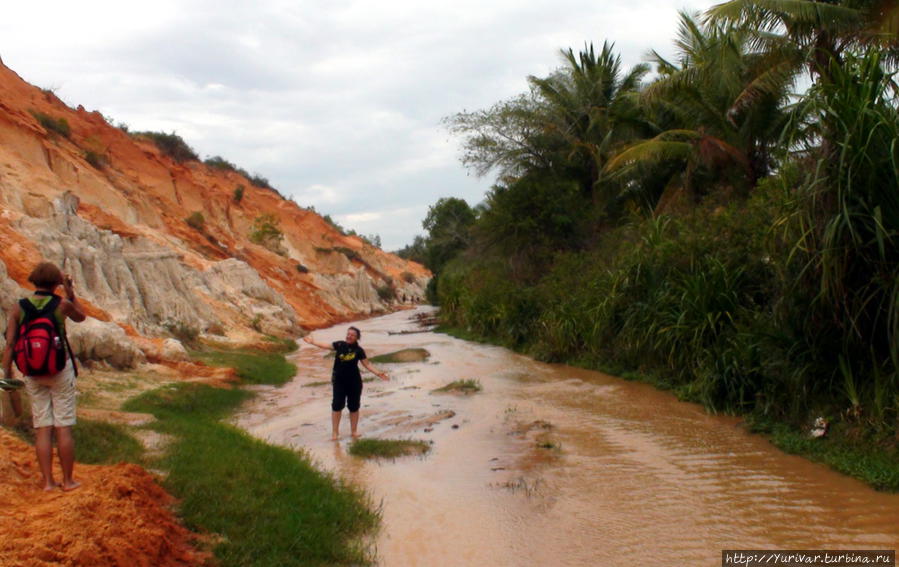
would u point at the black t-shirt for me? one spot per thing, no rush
(346, 360)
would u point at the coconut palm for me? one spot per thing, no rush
(809, 35)
(720, 127)
(592, 104)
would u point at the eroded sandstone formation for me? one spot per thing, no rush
(112, 209)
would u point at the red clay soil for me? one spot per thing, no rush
(118, 517)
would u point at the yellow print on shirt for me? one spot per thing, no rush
(348, 356)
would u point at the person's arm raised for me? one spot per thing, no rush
(71, 306)
(308, 338)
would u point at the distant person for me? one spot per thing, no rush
(346, 379)
(41, 318)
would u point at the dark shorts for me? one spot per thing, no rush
(347, 393)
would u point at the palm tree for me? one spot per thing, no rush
(721, 108)
(811, 35)
(592, 105)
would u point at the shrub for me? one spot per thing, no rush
(386, 292)
(218, 162)
(267, 232)
(238, 194)
(96, 159)
(171, 145)
(302, 269)
(349, 253)
(54, 125)
(195, 220)
(408, 277)
(182, 331)
(260, 181)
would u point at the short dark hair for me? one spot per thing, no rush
(358, 332)
(46, 275)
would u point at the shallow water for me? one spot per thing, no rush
(557, 466)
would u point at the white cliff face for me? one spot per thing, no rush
(241, 290)
(10, 293)
(105, 342)
(145, 285)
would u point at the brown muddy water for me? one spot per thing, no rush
(558, 466)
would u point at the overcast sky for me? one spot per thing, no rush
(339, 104)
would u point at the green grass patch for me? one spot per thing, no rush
(99, 442)
(254, 367)
(405, 355)
(388, 448)
(284, 345)
(269, 505)
(464, 386)
(867, 461)
(96, 442)
(316, 384)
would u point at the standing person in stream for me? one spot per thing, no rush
(346, 379)
(52, 396)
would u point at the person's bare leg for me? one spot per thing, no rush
(65, 446)
(335, 425)
(43, 447)
(16, 400)
(354, 423)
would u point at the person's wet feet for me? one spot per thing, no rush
(50, 487)
(70, 486)
(335, 437)
(356, 435)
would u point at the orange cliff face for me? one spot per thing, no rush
(119, 226)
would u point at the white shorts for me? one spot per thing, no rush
(53, 398)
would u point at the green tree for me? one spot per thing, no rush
(721, 127)
(592, 106)
(810, 35)
(448, 224)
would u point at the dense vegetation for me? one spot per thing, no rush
(727, 229)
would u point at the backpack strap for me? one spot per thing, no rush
(31, 311)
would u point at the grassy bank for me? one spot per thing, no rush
(267, 504)
(253, 366)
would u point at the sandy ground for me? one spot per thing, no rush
(119, 517)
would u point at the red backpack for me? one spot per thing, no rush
(40, 348)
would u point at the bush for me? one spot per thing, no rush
(260, 181)
(238, 194)
(302, 269)
(218, 162)
(183, 332)
(196, 220)
(386, 292)
(349, 253)
(54, 125)
(96, 159)
(171, 145)
(267, 232)
(408, 277)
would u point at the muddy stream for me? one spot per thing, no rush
(553, 465)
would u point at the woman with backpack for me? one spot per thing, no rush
(36, 339)
(346, 379)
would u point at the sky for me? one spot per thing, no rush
(338, 104)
